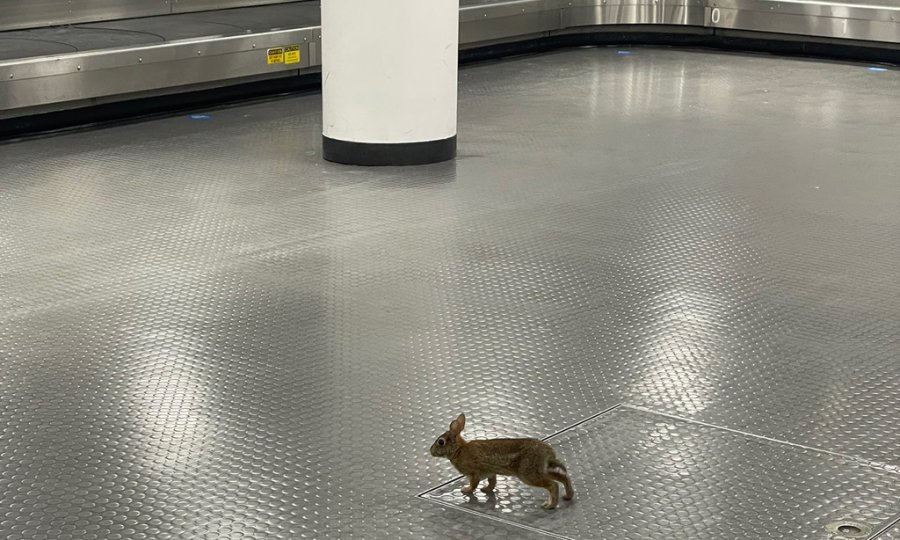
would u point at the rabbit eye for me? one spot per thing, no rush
(440, 442)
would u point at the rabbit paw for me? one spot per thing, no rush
(549, 505)
(468, 490)
(487, 489)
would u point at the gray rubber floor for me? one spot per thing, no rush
(208, 332)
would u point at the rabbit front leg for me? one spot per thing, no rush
(492, 483)
(473, 483)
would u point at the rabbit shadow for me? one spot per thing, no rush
(489, 502)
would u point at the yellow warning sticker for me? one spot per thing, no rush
(292, 54)
(275, 56)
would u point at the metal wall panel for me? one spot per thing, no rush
(818, 9)
(130, 80)
(603, 12)
(500, 21)
(825, 20)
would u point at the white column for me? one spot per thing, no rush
(389, 76)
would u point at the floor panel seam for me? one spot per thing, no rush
(893, 469)
(893, 522)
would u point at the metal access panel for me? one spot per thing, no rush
(589, 13)
(642, 474)
(869, 21)
(481, 22)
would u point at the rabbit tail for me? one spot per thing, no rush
(558, 465)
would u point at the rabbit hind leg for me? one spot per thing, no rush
(546, 482)
(564, 479)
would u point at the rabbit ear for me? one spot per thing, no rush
(457, 425)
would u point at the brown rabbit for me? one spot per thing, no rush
(530, 460)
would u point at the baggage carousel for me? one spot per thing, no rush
(676, 265)
(54, 68)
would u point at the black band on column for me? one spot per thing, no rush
(419, 153)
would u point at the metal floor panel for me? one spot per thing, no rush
(638, 474)
(208, 332)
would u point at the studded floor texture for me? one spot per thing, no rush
(208, 332)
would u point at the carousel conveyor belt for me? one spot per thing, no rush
(54, 73)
